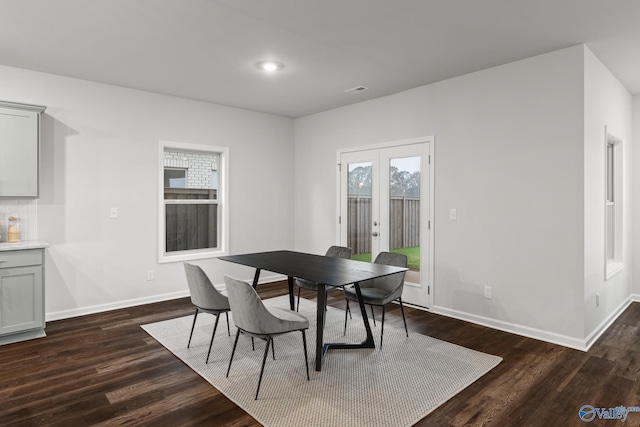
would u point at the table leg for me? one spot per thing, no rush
(291, 299)
(255, 278)
(320, 315)
(367, 343)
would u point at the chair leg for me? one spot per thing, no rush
(235, 343)
(264, 359)
(345, 318)
(253, 344)
(382, 328)
(373, 316)
(226, 313)
(298, 309)
(403, 318)
(273, 349)
(215, 326)
(306, 359)
(195, 316)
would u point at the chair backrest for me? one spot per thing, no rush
(393, 282)
(203, 293)
(339, 252)
(249, 312)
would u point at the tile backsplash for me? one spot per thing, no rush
(26, 210)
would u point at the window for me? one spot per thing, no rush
(175, 178)
(610, 215)
(192, 201)
(613, 205)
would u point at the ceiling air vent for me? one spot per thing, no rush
(356, 90)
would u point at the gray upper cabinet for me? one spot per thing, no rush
(19, 149)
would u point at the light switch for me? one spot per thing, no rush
(453, 214)
(113, 213)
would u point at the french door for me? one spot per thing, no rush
(386, 205)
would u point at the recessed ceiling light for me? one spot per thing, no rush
(355, 90)
(270, 66)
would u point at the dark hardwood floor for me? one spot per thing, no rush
(103, 369)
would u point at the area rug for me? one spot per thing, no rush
(394, 386)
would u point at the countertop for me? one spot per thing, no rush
(26, 244)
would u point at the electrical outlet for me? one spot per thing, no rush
(597, 300)
(113, 213)
(149, 274)
(487, 292)
(453, 214)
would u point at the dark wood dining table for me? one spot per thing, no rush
(325, 271)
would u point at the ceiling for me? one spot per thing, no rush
(207, 49)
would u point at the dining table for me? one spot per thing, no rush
(325, 271)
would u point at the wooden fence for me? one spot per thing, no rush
(404, 216)
(190, 226)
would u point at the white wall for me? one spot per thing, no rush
(509, 157)
(635, 191)
(516, 154)
(97, 263)
(607, 103)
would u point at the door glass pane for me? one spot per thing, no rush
(404, 212)
(359, 210)
(191, 176)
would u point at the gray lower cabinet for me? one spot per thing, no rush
(21, 295)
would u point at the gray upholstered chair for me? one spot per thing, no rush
(254, 319)
(382, 290)
(333, 251)
(206, 298)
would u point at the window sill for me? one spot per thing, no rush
(612, 268)
(189, 256)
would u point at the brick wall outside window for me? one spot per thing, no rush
(198, 166)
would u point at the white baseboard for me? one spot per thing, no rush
(513, 328)
(83, 311)
(539, 334)
(604, 325)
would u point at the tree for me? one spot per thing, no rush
(403, 183)
(360, 181)
(413, 185)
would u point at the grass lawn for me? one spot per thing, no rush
(413, 256)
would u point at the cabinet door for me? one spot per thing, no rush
(21, 299)
(18, 153)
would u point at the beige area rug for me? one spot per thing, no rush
(395, 386)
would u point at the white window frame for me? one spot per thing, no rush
(222, 202)
(613, 201)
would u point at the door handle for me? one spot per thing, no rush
(374, 234)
